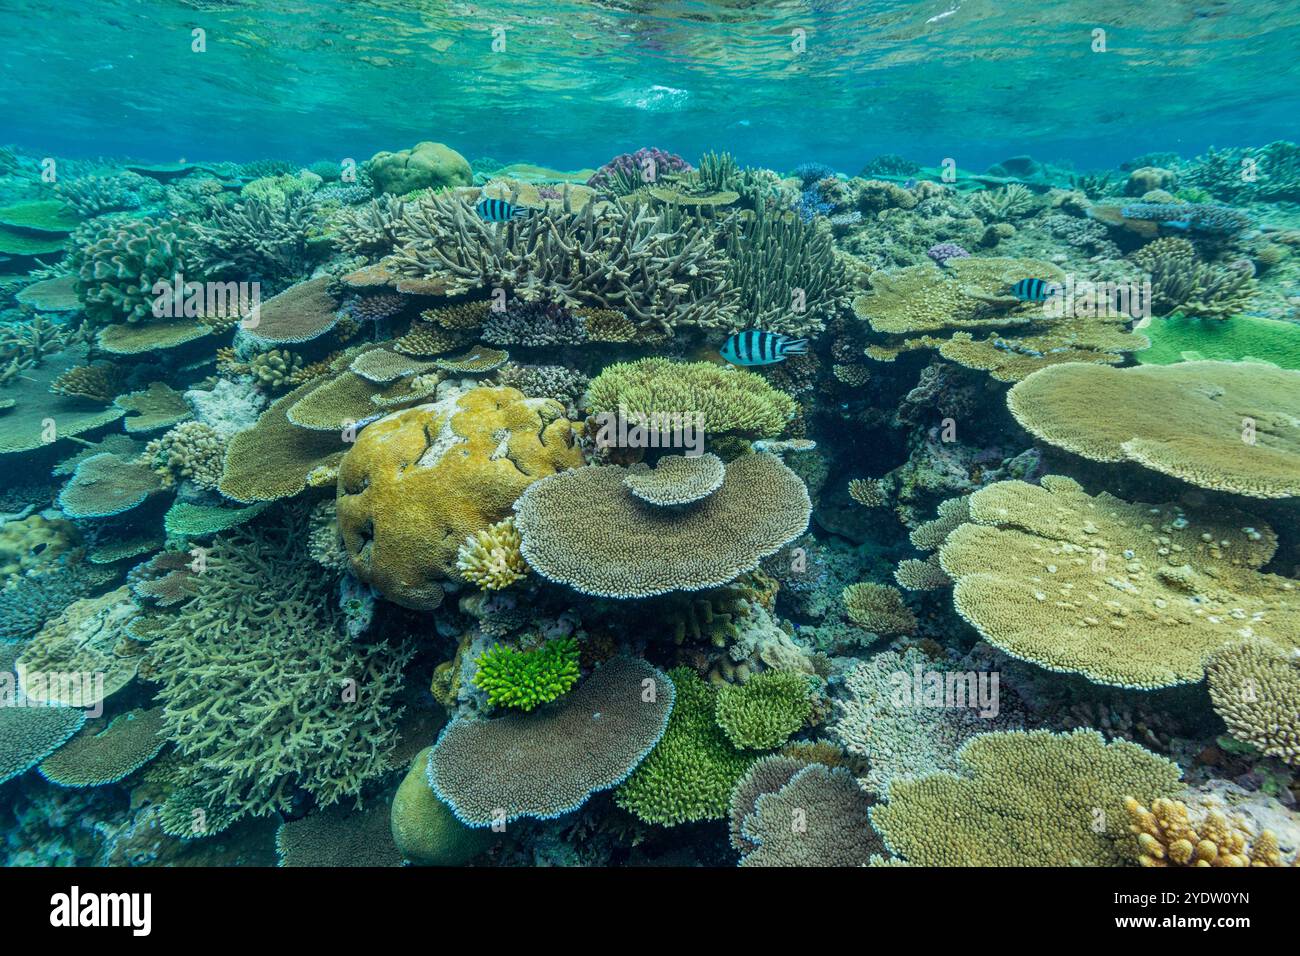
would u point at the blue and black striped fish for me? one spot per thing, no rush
(761, 348)
(499, 210)
(1034, 290)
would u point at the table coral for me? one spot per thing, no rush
(1219, 425)
(81, 657)
(106, 754)
(550, 761)
(619, 546)
(677, 479)
(819, 818)
(1125, 593)
(418, 482)
(1025, 799)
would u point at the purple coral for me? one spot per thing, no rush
(943, 251)
(637, 165)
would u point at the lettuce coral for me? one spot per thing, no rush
(418, 482)
(548, 762)
(1025, 799)
(625, 548)
(1220, 425)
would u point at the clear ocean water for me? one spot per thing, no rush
(784, 433)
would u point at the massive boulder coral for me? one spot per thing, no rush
(585, 528)
(426, 165)
(1127, 594)
(548, 762)
(1220, 425)
(418, 482)
(1025, 799)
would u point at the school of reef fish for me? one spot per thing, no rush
(301, 467)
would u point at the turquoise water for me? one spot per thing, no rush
(696, 434)
(580, 81)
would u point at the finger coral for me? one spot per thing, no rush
(621, 547)
(1220, 425)
(878, 608)
(1127, 594)
(1168, 836)
(491, 557)
(1025, 798)
(525, 679)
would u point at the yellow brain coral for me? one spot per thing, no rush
(1128, 594)
(1223, 425)
(418, 482)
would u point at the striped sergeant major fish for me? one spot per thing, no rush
(761, 348)
(1034, 290)
(499, 210)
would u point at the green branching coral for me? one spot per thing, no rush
(524, 679)
(786, 271)
(1025, 799)
(261, 689)
(689, 776)
(730, 400)
(117, 262)
(762, 713)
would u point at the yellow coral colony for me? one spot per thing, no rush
(1167, 835)
(418, 482)
(1128, 594)
(491, 558)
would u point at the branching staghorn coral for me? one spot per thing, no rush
(878, 608)
(370, 229)
(118, 261)
(525, 679)
(1182, 283)
(262, 237)
(262, 691)
(663, 275)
